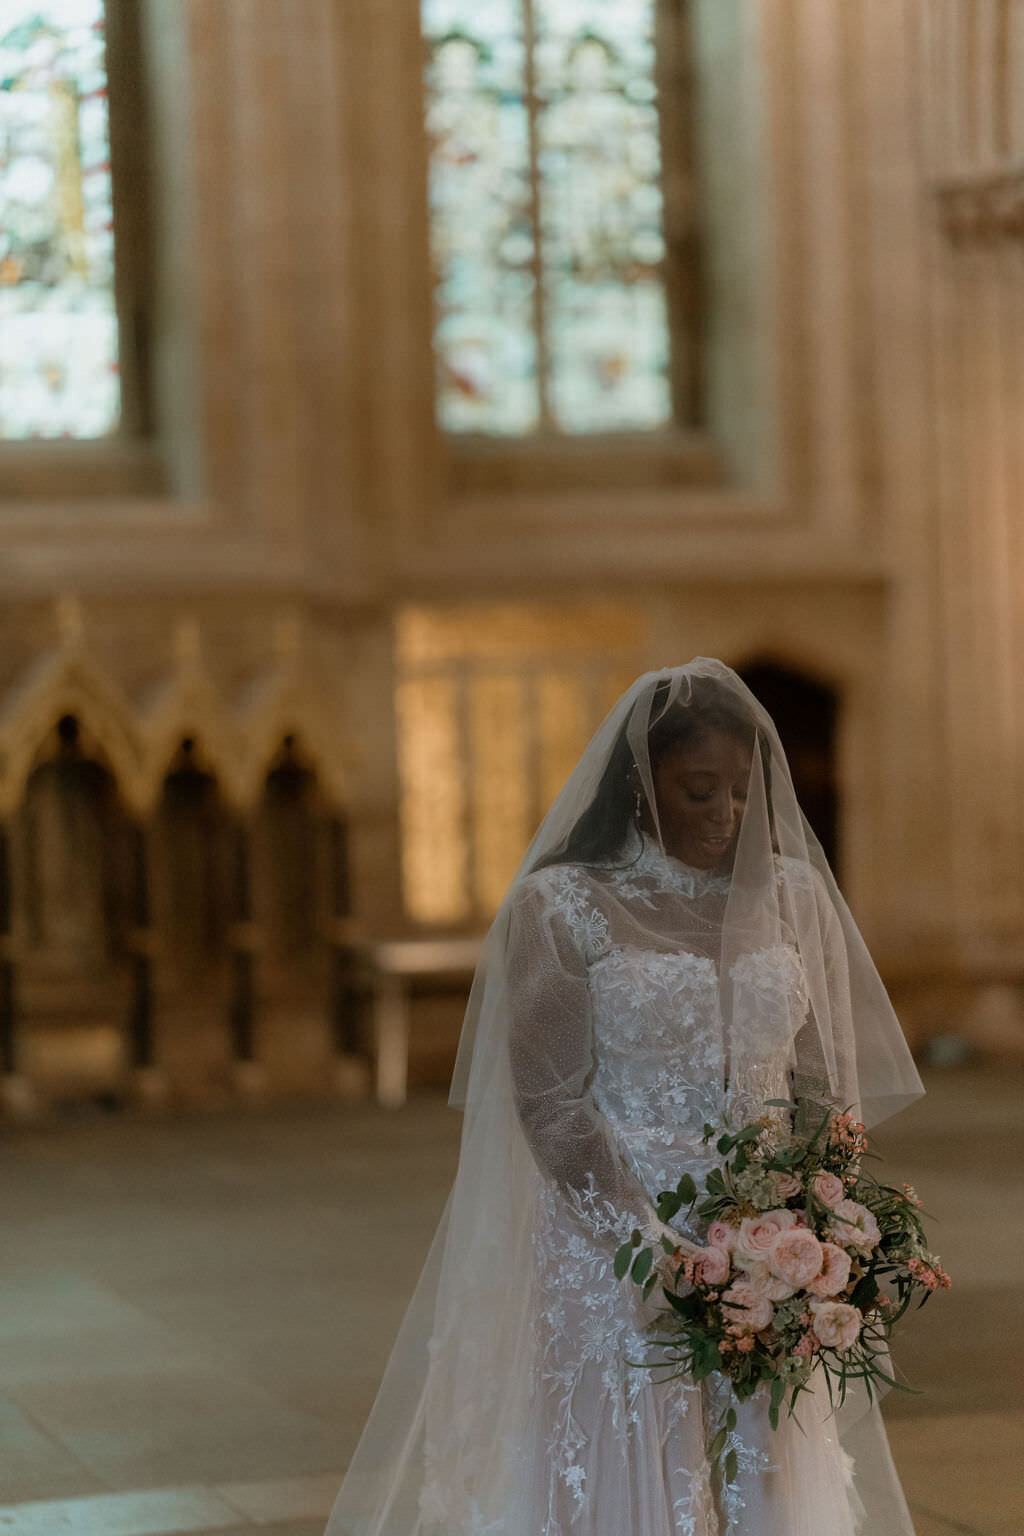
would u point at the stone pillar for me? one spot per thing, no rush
(349, 995)
(249, 1077)
(16, 1096)
(149, 1082)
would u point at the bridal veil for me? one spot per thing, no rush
(443, 1452)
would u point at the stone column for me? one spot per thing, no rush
(148, 1080)
(249, 1077)
(16, 1095)
(349, 995)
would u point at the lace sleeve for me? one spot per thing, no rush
(551, 1045)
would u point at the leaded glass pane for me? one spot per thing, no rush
(601, 214)
(58, 323)
(545, 167)
(483, 243)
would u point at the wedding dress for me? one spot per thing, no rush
(621, 1006)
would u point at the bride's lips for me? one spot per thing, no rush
(715, 844)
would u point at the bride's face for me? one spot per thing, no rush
(701, 790)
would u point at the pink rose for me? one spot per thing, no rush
(828, 1188)
(835, 1271)
(757, 1234)
(711, 1265)
(795, 1257)
(854, 1227)
(721, 1235)
(786, 1186)
(836, 1323)
(746, 1308)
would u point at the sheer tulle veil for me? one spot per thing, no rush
(457, 1390)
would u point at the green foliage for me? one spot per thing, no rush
(866, 1292)
(623, 1259)
(642, 1265)
(778, 1392)
(881, 1288)
(669, 1204)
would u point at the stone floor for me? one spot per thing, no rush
(194, 1311)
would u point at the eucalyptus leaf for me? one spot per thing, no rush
(865, 1293)
(642, 1265)
(777, 1394)
(731, 1467)
(623, 1259)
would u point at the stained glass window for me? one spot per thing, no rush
(58, 322)
(546, 215)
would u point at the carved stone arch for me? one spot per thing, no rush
(805, 706)
(292, 822)
(70, 687)
(192, 825)
(198, 716)
(290, 713)
(72, 865)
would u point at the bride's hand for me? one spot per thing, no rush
(668, 1265)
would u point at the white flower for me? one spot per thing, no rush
(853, 1226)
(836, 1323)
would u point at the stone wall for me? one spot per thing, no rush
(846, 508)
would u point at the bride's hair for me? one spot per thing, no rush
(600, 831)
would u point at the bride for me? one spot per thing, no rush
(672, 951)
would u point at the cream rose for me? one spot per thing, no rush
(762, 1279)
(721, 1235)
(854, 1227)
(746, 1308)
(711, 1265)
(756, 1235)
(795, 1256)
(835, 1271)
(836, 1323)
(786, 1185)
(828, 1188)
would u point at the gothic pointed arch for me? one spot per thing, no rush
(805, 707)
(68, 685)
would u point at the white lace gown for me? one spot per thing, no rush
(619, 1057)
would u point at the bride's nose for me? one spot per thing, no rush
(723, 811)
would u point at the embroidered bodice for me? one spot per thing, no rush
(642, 940)
(624, 1044)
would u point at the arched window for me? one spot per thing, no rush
(66, 346)
(557, 310)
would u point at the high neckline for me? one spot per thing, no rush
(647, 857)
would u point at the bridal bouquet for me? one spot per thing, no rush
(809, 1263)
